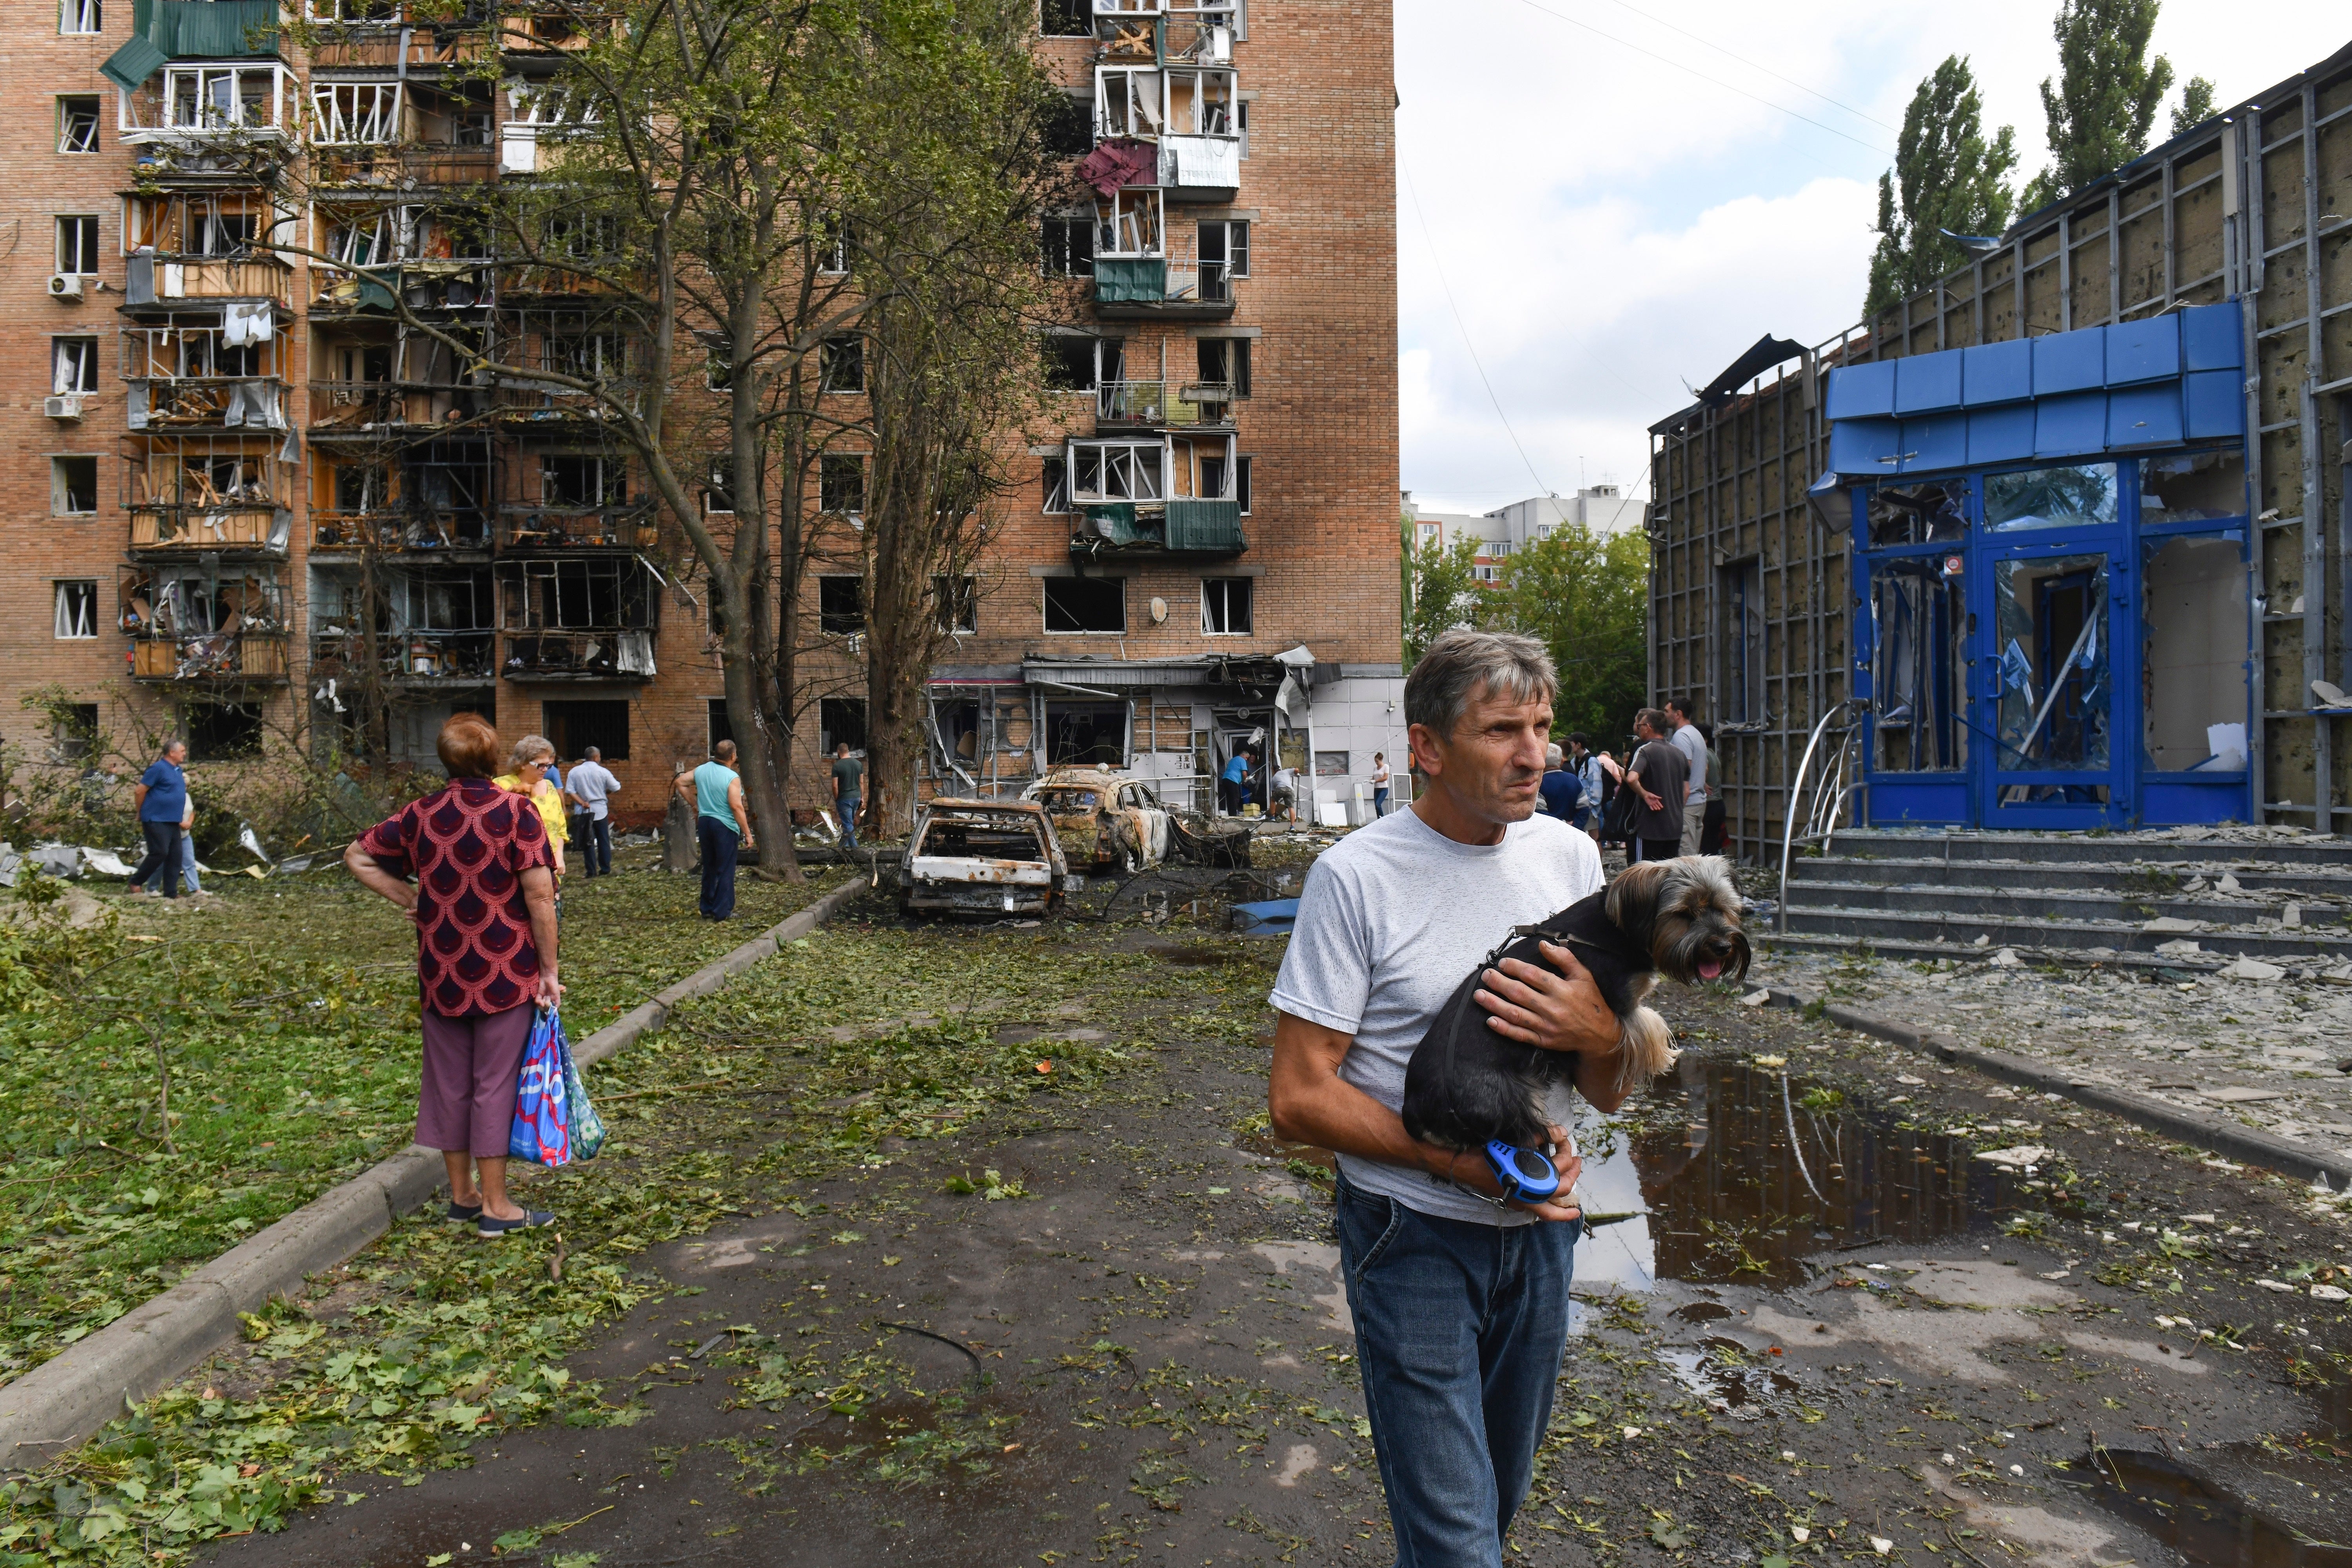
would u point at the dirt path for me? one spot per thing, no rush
(1144, 1356)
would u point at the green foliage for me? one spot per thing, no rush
(1445, 593)
(1585, 595)
(2105, 97)
(1946, 176)
(2195, 107)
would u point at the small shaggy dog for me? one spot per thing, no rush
(1467, 1085)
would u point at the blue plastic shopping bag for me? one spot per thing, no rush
(587, 1127)
(542, 1117)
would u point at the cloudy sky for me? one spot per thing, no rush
(1619, 195)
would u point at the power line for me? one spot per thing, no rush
(1430, 240)
(1751, 65)
(1694, 70)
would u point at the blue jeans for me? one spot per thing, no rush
(1459, 1333)
(718, 843)
(847, 805)
(1380, 803)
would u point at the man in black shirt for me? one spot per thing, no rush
(1658, 773)
(849, 785)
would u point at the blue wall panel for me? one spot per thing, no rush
(2217, 403)
(1862, 391)
(2142, 350)
(2211, 338)
(2068, 426)
(1857, 444)
(1928, 384)
(2070, 362)
(2001, 434)
(1997, 373)
(1938, 441)
(2145, 415)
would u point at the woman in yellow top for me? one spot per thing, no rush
(528, 776)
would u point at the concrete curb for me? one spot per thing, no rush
(65, 1400)
(2217, 1133)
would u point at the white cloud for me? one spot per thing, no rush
(1612, 225)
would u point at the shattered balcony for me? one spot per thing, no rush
(191, 493)
(163, 279)
(203, 623)
(414, 657)
(404, 166)
(1174, 495)
(558, 528)
(1181, 525)
(589, 618)
(397, 528)
(211, 659)
(607, 655)
(1162, 404)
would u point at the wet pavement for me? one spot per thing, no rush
(1814, 1321)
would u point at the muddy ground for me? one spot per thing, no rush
(1828, 1332)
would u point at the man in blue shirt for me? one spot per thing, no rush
(162, 798)
(1562, 791)
(721, 826)
(1228, 784)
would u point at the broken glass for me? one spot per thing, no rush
(2194, 627)
(1919, 619)
(2080, 494)
(2193, 486)
(1917, 514)
(2051, 643)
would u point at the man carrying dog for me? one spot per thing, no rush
(1459, 1302)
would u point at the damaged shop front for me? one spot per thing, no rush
(2060, 543)
(1174, 723)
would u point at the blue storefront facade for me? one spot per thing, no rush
(2054, 610)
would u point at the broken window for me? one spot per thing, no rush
(220, 730)
(585, 356)
(1742, 598)
(73, 364)
(573, 726)
(1241, 124)
(348, 112)
(840, 720)
(1224, 366)
(1126, 223)
(1242, 483)
(73, 731)
(1057, 477)
(1083, 733)
(1200, 103)
(1919, 626)
(1066, 19)
(2079, 495)
(80, 17)
(1129, 103)
(78, 245)
(1117, 470)
(1068, 126)
(73, 486)
(2051, 647)
(1917, 514)
(77, 608)
(77, 123)
(841, 365)
(1069, 248)
(1226, 606)
(841, 605)
(220, 98)
(1085, 604)
(2194, 627)
(955, 603)
(833, 239)
(2193, 486)
(1224, 256)
(361, 487)
(841, 483)
(583, 480)
(718, 484)
(578, 595)
(1079, 364)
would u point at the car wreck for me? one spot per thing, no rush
(1108, 822)
(982, 856)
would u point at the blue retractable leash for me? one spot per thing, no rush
(1524, 1176)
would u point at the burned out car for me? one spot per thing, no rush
(982, 856)
(1107, 821)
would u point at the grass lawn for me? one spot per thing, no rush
(282, 1016)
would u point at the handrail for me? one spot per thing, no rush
(1813, 813)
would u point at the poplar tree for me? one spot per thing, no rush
(1946, 176)
(2105, 98)
(2196, 105)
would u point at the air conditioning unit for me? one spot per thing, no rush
(67, 406)
(65, 285)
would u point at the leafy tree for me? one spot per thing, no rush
(2196, 105)
(2105, 95)
(1446, 593)
(1585, 595)
(1945, 177)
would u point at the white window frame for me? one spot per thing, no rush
(1125, 463)
(1131, 101)
(967, 601)
(73, 358)
(1202, 76)
(1054, 488)
(65, 141)
(198, 114)
(75, 608)
(90, 271)
(339, 13)
(1428, 533)
(1132, 211)
(358, 113)
(77, 18)
(1222, 589)
(1241, 124)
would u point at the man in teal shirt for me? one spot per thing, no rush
(848, 785)
(722, 826)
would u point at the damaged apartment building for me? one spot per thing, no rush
(256, 502)
(2060, 543)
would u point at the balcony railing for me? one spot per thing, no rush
(1145, 286)
(403, 165)
(362, 407)
(613, 654)
(555, 527)
(213, 657)
(448, 44)
(153, 279)
(206, 403)
(1182, 525)
(398, 531)
(438, 285)
(1156, 404)
(159, 528)
(1199, 168)
(411, 655)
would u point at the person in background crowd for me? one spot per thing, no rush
(1282, 795)
(469, 863)
(1588, 771)
(1562, 791)
(161, 797)
(591, 787)
(1230, 785)
(1688, 740)
(1379, 784)
(189, 881)
(532, 756)
(1658, 773)
(723, 826)
(848, 787)
(1711, 834)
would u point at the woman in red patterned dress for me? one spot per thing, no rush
(483, 900)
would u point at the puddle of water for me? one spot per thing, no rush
(1731, 1178)
(2207, 1524)
(1723, 1374)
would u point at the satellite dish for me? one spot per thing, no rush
(1159, 611)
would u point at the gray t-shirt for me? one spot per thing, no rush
(1693, 746)
(1391, 919)
(591, 784)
